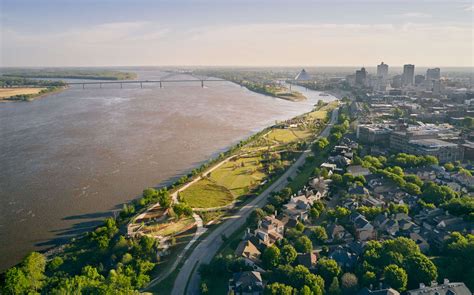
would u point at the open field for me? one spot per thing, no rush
(288, 135)
(9, 92)
(206, 194)
(239, 175)
(170, 227)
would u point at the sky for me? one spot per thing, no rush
(236, 32)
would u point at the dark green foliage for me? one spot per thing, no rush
(395, 277)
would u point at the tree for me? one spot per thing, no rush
(164, 199)
(328, 269)
(305, 290)
(395, 277)
(34, 266)
(334, 288)
(182, 209)
(420, 269)
(55, 263)
(318, 234)
(303, 245)
(278, 289)
(349, 283)
(314, 213)
(288, 254)
(256, 215)
(368, 278)
(271, 257)
(15, 282)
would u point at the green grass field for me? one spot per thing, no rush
(170, 227)
(206, 194)
(288, 135)
(239, 175)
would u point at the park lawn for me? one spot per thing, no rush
(239, 176)
(9, 92)
(302, 134)
(318, 115)
(170, 227)
(206, 194)
(282, 135)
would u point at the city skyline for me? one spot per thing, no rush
(237, 33)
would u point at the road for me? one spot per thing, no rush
(207, 248)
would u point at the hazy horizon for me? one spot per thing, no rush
(236, 33)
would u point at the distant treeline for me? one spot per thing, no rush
(7, 81)
(72, 74)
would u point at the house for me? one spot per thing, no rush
(308, 259)
(320, 185)
(249, 252)
(344, 257)
(381, 220)
(358, 170)
(391, 227)
(358, 190)
(363, 229)
(269, 230)
(337, 232)
(373, 202)
(367, 291)
(298, 207)
(446, 288)
(246, 283)
(420, 241)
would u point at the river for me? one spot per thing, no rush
(70, 159)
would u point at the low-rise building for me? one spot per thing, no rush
(246, 283)
(446, 288)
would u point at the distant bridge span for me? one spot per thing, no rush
(141, 82)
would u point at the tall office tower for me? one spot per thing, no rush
(433, 74)
(419, 79)
(408, 75)
(361, 77)
(382, 70)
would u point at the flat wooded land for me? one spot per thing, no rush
(9, 92)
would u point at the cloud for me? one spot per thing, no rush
(151, 43)
(415, 15)
(469, 8)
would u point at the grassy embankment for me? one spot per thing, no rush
(240, 176)
(26, 93)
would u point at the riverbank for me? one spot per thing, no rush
(27, 94)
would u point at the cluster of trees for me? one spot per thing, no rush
(408, 160)
(453, 262)
(6, 81)
(99, 263)
(463, 206)
(398, 262)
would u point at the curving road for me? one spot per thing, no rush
(207, 248)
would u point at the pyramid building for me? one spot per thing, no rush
(303, 76)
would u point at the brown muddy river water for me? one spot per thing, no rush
(69, 159)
